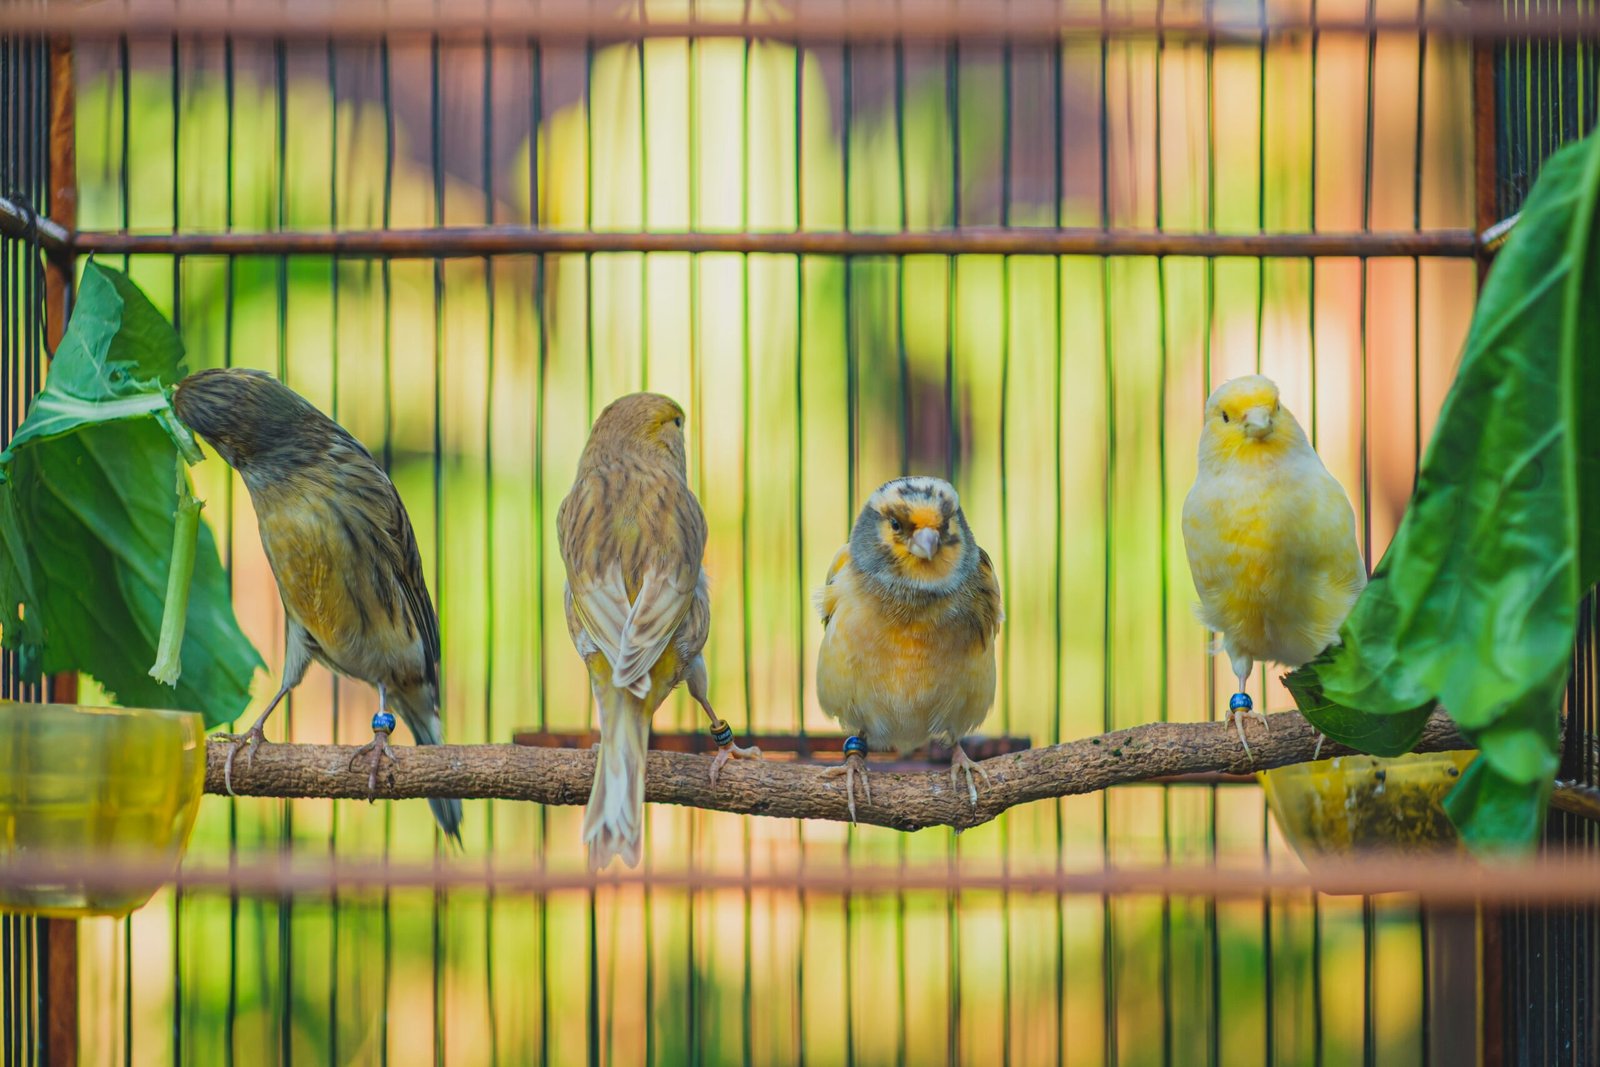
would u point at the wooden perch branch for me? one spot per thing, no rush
(788, 790)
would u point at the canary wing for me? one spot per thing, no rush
(827, 598)
(631, 636)
(361, 478)
(632, 546)
(991, 606)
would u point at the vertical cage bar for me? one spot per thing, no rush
(335, 905)
(231, 1010)
(1213, 937)
(61, 935)
(1494, 149)
(440, 908)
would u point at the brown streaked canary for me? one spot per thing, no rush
(1271, 537)
(342, 550)
(910, 612)
(638, 607)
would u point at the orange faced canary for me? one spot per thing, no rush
(910, 612)
(638, 607)
(341, 548)
(1270, 535)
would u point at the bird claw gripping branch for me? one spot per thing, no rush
(722, 734)
(855, 762)
(961, 763)
(376, 749)
(249, 740)
(1240, 705)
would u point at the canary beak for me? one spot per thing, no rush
(1258, 422)
(925, 543)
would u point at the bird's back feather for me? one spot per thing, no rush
(632, 536)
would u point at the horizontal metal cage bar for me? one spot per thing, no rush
(915, 21)
(453, 242)
(1441, 879)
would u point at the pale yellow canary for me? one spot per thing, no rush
(638, 608)
(910, 613)
(1270, 534)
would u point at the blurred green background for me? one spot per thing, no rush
(1061, 395)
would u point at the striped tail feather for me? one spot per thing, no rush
(613, 822)
(422, 716)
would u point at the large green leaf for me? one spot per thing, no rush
(1475, 603)
(1389, 734)
(116, 357)
(87, 520)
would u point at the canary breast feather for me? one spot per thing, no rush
(896, 681)
(1276, 565)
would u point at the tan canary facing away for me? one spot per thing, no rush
(1270, 535)
(910, 613)
(632, 538)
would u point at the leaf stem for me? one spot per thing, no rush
(185, 535)
(181, 437)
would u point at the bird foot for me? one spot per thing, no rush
(1316, 753)
(722, 734)
(375, 751)
(248, 740)
(855, 762)
(1239, 706)
(961, 763)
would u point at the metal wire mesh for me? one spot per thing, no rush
(1060, 392)
(24, 177)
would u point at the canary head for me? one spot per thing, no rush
(246, 414)
(1245, 419)
(913, 540)
(646, 422)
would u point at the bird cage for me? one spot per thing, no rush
(1014, 246)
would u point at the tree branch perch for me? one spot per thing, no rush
(787, 790)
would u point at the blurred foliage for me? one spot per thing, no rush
(1475, 604)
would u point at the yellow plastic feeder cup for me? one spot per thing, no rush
(96, 805)
(1366, 804)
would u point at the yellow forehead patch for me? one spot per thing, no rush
(1241, 395)
(1254, 398)
(926, 516)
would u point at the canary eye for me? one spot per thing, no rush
(1225, 416)
(894, 524)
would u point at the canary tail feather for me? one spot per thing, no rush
(422, 717)
(613, 823)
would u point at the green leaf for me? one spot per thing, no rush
(1386, 734)
(113, 363)
(97, 510)
(1494, 813)
(88, 515)
(1475, 603)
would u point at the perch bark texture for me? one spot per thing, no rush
(787, 790)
